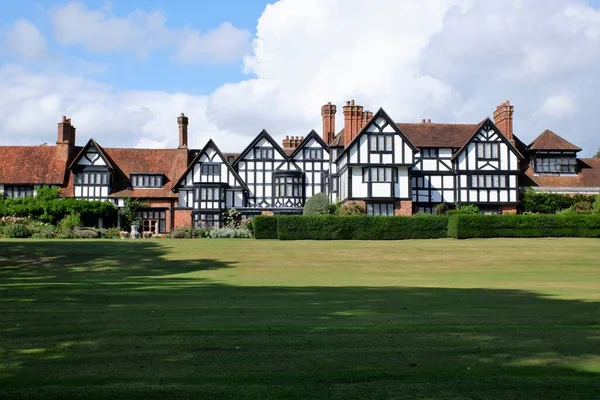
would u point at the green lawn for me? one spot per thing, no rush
(246, 319)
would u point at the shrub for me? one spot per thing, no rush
(326, 227)
(265, 227)
(467, 209)
(85, 234)
(147, 235)
(231, 233)
(70, 223)
(583, 206)
(40, 230)
(112, 233)
(232, 218)
(181, 233)
(352, 208)
(549, 203)
(440, 209)
(248, 225)
(596, 205)
(317, 205)
(18, 231)
(487, 226)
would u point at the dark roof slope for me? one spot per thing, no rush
(549, 140)
(438, 135)
(33, 164)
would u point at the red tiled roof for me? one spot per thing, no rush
(438, 135)
(549, 140)
(588, 176)
(33, 164)
(170, 162)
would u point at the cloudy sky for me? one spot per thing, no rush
(124, 70)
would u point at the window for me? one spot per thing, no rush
(207, 220)
(210, 194)
(288, 186)
(378, 174)
(230, 159)
(14, 191)
(380, 209)
(92, 178)
(211, 169)
(334, 183)
(488, 181)
(556, 165)
(429, 153)
(313, 154)
(263, 152)
(488, 151)
(381, 143)
(146, 180)
(153, 220)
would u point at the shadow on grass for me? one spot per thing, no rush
(123, 320)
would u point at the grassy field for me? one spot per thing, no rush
(245, 319)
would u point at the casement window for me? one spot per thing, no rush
(380, 209)
(153, 220)
(210, 194)
(556, 165)
(429, 153)
(419, 182)
(313, 154)
(488, 151)
(488, 181)
(17, 191)
(378, 174)
(264, 153)
(92, 178)
(147, 180)
(288, 186)
(207, 220)
(334, 183)
(381, 142)
(213, 169)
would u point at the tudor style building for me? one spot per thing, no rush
(390, 168)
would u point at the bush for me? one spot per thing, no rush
(181, 233)
(112, 233)
(40, 230)
(248, 225)
(524, 226)
(352, 208)
(70, 223)
(17, 231)
(549, 203)
(329, 227)
(265, 227)
(231, 233)
(596, 205)
(232, 218)
(317, 205)
(583, 206)
(85, 234)
(466, 209)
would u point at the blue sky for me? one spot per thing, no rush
(124, 69)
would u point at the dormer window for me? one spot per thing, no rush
(213, 169)
(265, 153)
(147, 180)
(488, 151)
(313, 154)
(430, 153)
(548, 164)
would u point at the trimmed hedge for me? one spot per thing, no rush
(524, 226)
(265, 227)
(331, 227)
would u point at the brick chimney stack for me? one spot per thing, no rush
(183, 121)
(503, 118)
(328, 113)
(66, 132)
(355, 119)
(291, 142)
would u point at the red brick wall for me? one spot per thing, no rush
(509, 209)
(183, 218)
(403, 208)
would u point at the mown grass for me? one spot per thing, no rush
(245, 319)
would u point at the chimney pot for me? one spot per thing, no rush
(328, 115)
(428, 121)
(66, 132)
(423, 121)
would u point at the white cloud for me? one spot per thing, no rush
(23, 39)
(141, 32)
(557, 107)
(448, 60)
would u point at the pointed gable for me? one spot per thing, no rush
(264, 139)
(549, 140)
(92, 155)
(484, 129)
(210, 153)
(309, 141)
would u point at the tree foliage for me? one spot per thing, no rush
(317, 205)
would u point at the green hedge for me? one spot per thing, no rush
(265, 227)
(331, 227)
(524, 226)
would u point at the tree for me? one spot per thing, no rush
(597, 154)
(317, 205)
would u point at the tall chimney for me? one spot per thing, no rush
(183, 121)
(353, 116)
(286, 143)
(328, 113)
(503, 118)
(66, 132)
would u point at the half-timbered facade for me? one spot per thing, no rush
(390, 168)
